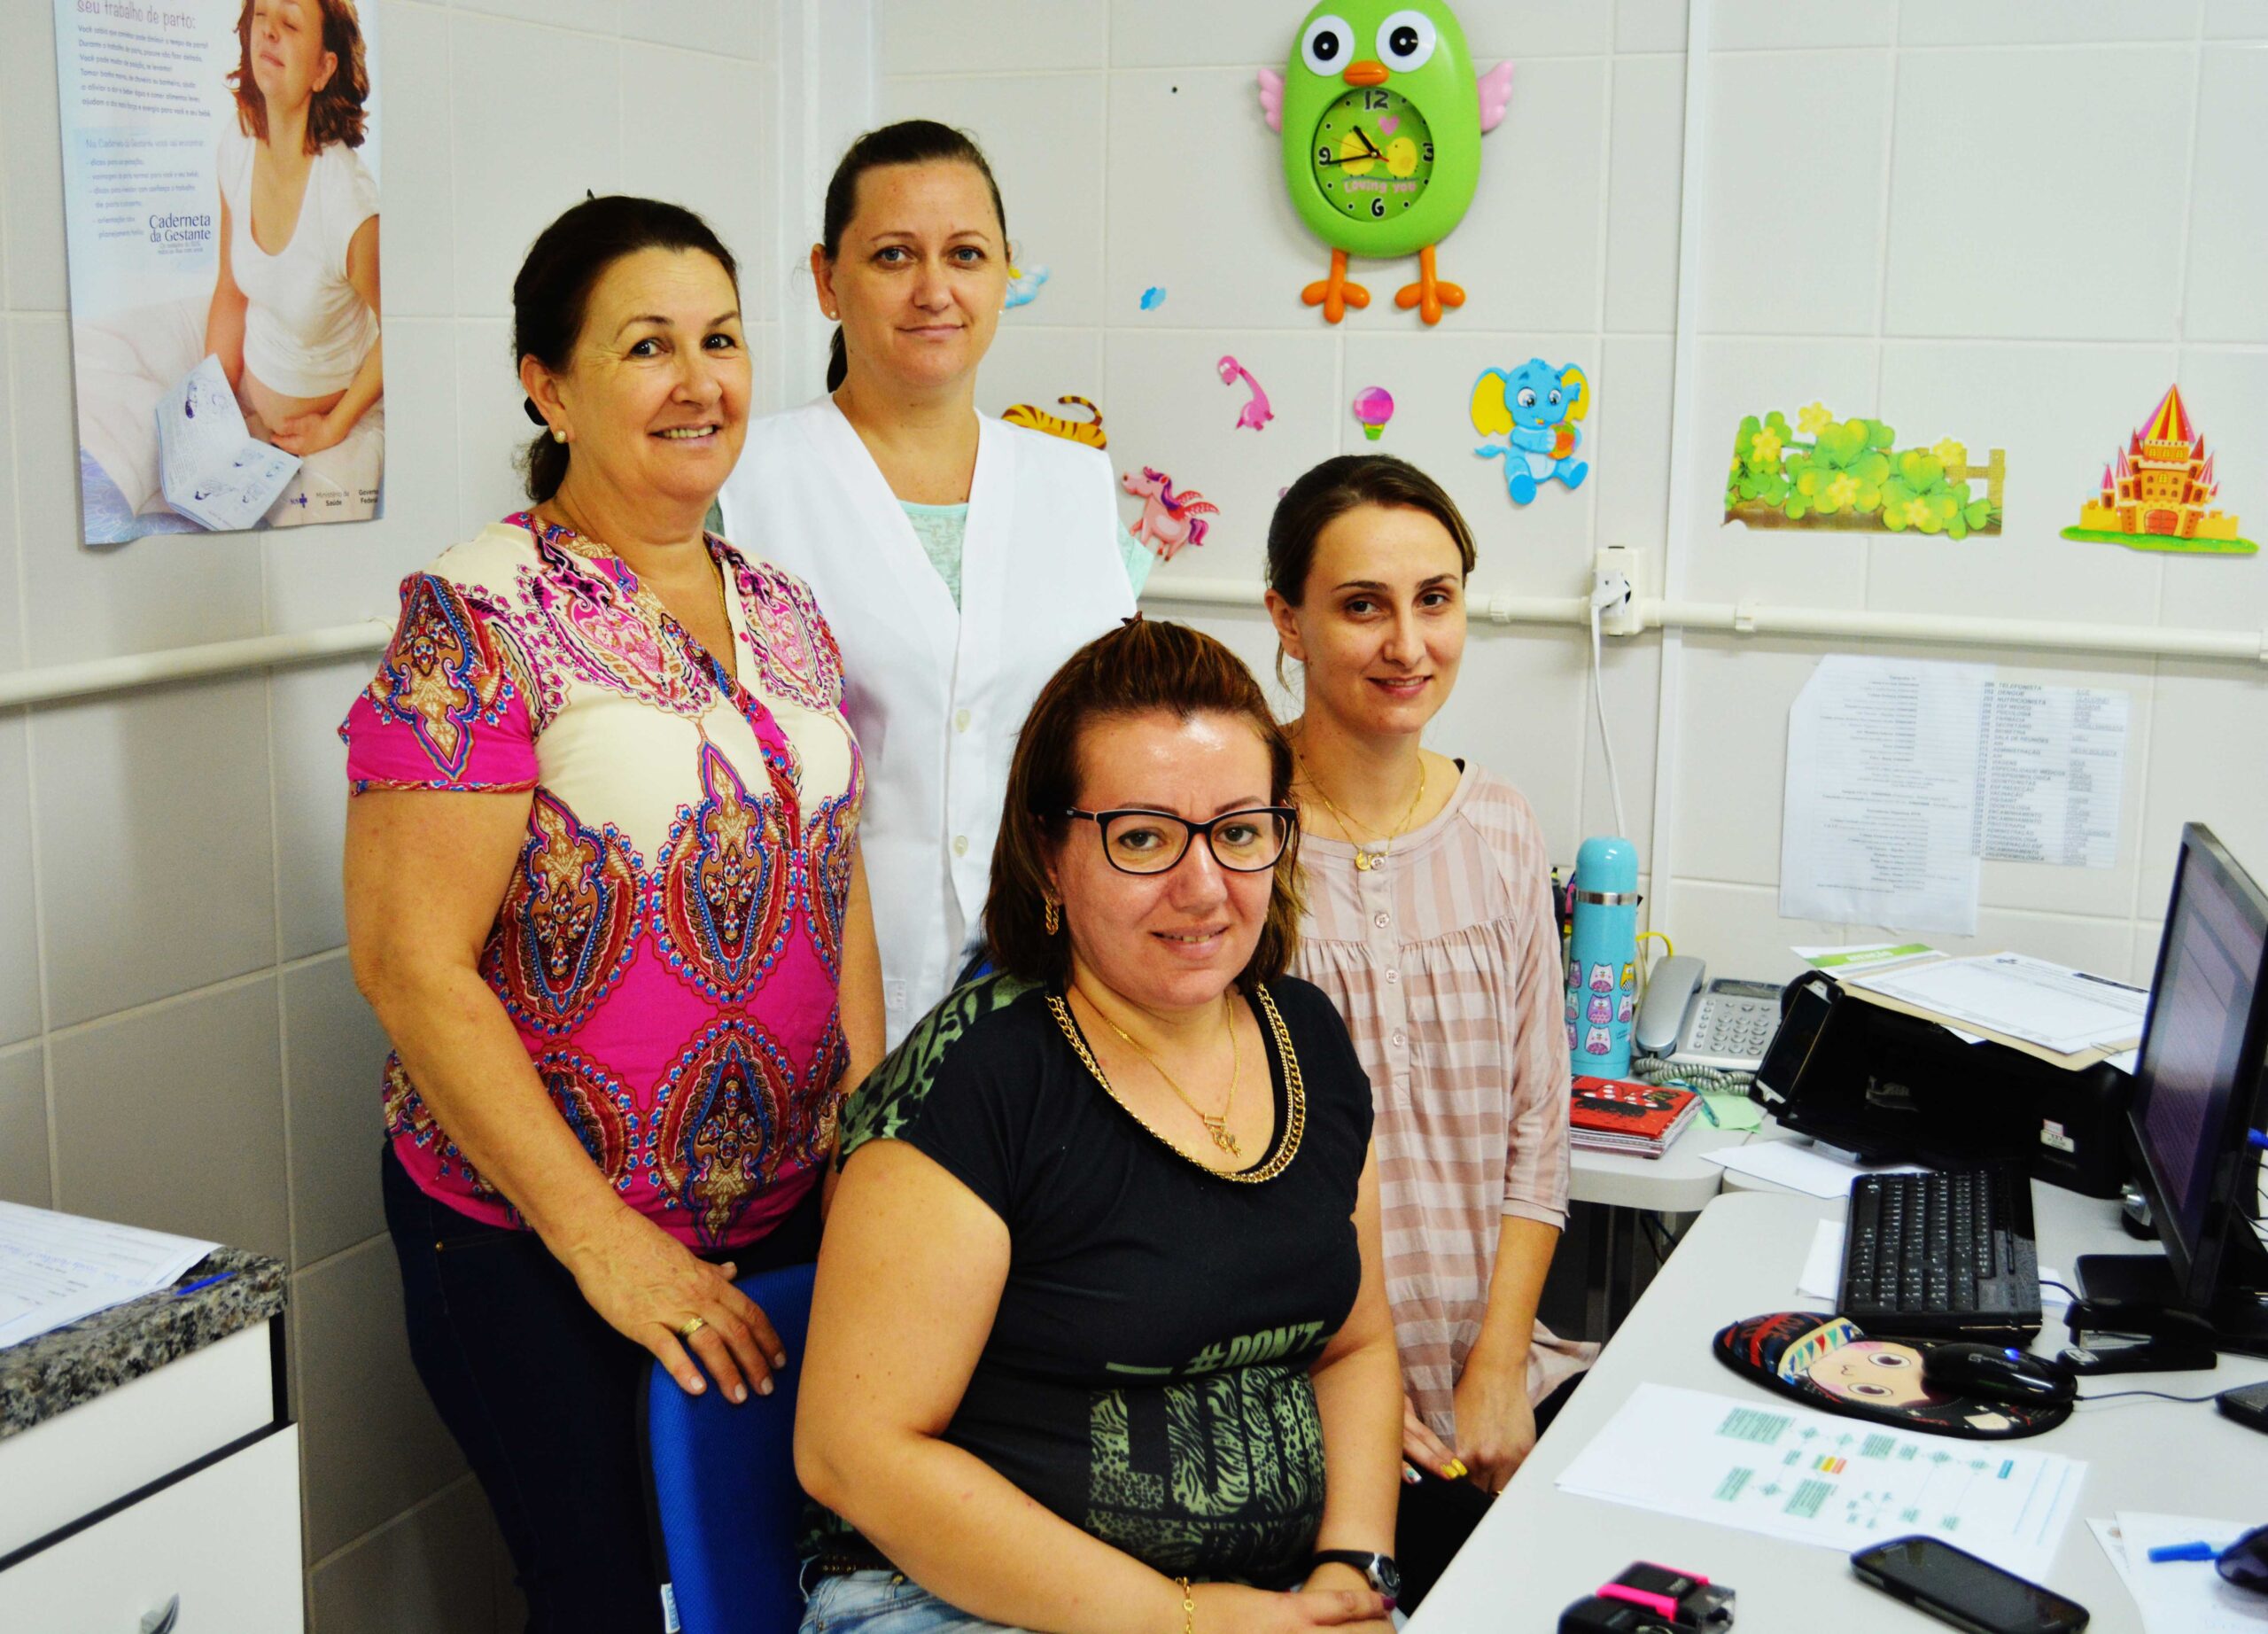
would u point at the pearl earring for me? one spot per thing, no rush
(557, 435)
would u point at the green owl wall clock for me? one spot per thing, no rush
(1381, 116)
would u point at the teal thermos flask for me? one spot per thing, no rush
(1603, 957)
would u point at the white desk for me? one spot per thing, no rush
(1540, 1548)
(1680, 1181)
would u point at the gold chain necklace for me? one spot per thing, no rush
(1216, 1127)
(1365, 860)
(1295, 1094)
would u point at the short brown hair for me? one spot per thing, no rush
(1142, 666)
(1337, 486)
(335, 113)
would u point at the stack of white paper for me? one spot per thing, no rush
(1766, 1465)
(56, 1268)
(1799, 1167)
(2179, 1597)
(2051, 1004)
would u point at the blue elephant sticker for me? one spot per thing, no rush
(1527, 418)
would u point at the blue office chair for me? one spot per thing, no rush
(723, 1493)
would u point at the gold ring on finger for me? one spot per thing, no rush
(693, 1328)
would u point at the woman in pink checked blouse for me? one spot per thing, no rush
(604, 891)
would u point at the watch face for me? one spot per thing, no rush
(1386, 1577)
(1373, 154)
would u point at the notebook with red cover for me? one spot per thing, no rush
(1618, 1115)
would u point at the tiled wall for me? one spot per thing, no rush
(2013, 223)
(181, 1043)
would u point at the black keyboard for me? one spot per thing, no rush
(1940, 1255)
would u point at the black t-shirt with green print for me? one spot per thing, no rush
(1146, 1376)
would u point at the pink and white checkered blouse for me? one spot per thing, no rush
(669, 946)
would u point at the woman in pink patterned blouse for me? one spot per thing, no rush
(1429, 923)
(604, 891)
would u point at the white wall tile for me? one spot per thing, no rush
(1036, 365)
(1791, 567)
(1645, 181)
(172, 1117)
(428, 1570)
(1176, 34)
(306, 706)
(2102, 945)
(739, 125)
(744, 30)
(11, 606)
(372, 1445)
(1780, 259)
(512, 177)
(1650, 25)
(1631, 436)
(2044, 22)
(336, 574)
(1782, 25)
(2228, 213)
(2206, 725)
(335, 1052)
(1226, 245)
(1043, 134)
(1519, 709)
(2053, 139)
(492, 427)
(1732, 755)
(417, 247)
(20, 1015)
(1531, 30)
(24, 1170)
(169, 591)
(2142, 960)
(1167, 409)
(2054, 409)
(988, 36)
(155, 846)
(2236, 20)
(1633, 669)
(2227, 393)
(31, 135)
(1539, 549)
(1737, 929)
(1528, 252)
(586, 16)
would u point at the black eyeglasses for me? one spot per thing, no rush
(1250, 841)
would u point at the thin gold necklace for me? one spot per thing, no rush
(1295, 1094)
(1365, 860)
(1216, 1127)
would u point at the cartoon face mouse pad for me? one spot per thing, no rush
(1825, 1362)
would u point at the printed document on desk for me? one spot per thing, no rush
(1770, 1467)
(56, 1268)
(2024, 1001)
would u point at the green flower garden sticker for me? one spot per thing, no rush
(1851, 475)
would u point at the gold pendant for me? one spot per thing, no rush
(1365, 860)
(1222, 1137)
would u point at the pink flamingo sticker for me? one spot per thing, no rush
(1255, 413)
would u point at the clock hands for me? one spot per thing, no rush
(1369, 154)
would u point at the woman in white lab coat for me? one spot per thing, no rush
(960, 560)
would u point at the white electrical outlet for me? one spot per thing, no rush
(1614, 587)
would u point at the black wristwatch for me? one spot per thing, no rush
(1377, 1570)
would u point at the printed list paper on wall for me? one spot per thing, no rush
(1903, 775)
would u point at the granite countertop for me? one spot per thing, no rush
(44, 1376)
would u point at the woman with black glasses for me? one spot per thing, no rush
(1100, 1340)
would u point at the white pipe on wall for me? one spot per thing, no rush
(1753, 618)
(63, 682)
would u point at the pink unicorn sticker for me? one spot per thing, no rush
(1169, 520)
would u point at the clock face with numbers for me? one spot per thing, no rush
(1373, 154)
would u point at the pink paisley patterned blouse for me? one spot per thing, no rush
(670, 943)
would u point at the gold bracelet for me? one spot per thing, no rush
(1188, 1607)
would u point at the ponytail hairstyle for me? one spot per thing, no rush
(552, 295)
(909, 141)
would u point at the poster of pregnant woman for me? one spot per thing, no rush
(221, 182)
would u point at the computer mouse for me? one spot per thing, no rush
(1998, 1373)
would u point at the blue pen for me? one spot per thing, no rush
(203, 1282)
(2183, 1551)
(2258, 1137)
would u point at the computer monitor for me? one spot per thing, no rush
(2198, 1083)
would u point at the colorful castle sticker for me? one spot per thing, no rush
(2158, 493)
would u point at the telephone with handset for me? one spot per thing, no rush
(1691, 1021)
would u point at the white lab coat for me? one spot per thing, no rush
(936, 696)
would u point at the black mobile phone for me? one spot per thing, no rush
(2247, 1404)
(1954, 1586)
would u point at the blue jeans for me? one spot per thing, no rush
(885, 1603)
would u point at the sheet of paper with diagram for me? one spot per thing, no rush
(1904, 775)
(1810, 1477)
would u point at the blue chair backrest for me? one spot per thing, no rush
(725, 1504)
